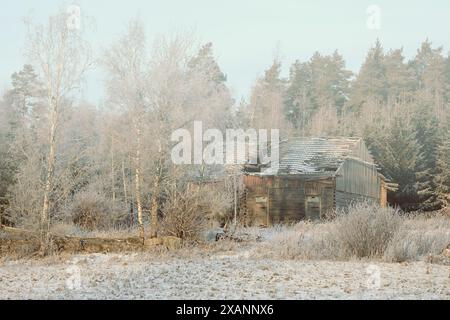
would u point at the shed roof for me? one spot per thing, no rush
(313, 155)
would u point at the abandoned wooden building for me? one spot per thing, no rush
(314, 176)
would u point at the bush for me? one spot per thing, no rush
(216, 202)
(25, 196)
(183, 215)
(418, 238)
(89, 210)
(366, 230)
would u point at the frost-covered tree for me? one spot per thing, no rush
(443, 166)
(370, 85)
(61, 57)
(266, 100)
(398, 153)
(429, 70)
(426, 128)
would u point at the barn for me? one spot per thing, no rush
(315, 176)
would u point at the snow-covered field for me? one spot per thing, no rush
(228, 274)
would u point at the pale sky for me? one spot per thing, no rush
(246, 35)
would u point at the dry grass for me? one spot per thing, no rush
(305, 240)
(18, 244)
(364, 232)
(418, 238)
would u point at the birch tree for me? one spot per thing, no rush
(61, 56)
(127, 65)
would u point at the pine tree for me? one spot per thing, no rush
(22, 99)
(266, 100)
(371, 83)
(298, 105)
(321, 84)
(205, 63)
(341, 81)
(429, 69)
(426, 127)
(399, 78)
(7, 165)
(18, 107)
(398, 153)
(17, 130)
(443, 166)
(329, 81)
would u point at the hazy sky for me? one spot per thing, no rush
(246, 34)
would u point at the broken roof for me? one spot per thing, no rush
(312, 155)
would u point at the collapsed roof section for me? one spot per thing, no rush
(316, 155)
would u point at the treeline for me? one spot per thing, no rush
(400, 107)
(63, 159)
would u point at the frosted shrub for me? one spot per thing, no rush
(184, 216)
(89, 211)
(365, 230)
(419, 238)
(304, 240)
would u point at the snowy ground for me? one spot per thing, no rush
(229, 274)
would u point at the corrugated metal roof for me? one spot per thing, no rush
(312, 155)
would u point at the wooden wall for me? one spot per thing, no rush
(276, 199)
(357, 181)
(272, 200)
(361, 151)
(283, 199)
